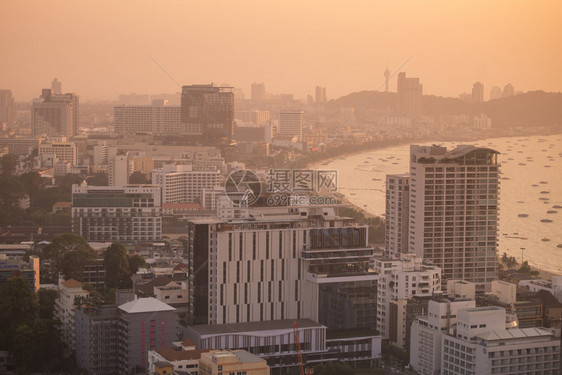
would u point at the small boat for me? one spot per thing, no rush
(547, 166)
(545, 239)
(551, 211)
(523, 215)
(545, 192)
(543, 199)
(522, 164)
(543, 182)
(559, 245)
(520, 202)
(546, 221)
(535, 185)
(557, 206)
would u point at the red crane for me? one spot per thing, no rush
(302, 371)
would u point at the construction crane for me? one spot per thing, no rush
(302, 370)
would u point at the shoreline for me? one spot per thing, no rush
(424, 140)
(545, 274)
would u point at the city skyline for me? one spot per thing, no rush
(344, 49)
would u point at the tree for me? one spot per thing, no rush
(138, 178)
(56, 250)
(136, 262)
(18, 303)
(98, 179)
(46, 299)
(8, 164)
(117, 269)
(32, 183)
(74, 261)
(333, 368)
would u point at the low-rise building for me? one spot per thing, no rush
(481, 344)
(15, 267)
(218, 362)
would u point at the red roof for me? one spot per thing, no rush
(62, 204)
(71, 283)
(180, 355)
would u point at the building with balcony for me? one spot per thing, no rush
(182, 184)
(481, 344)
(401, 280)
(117, 213)
(69, 291)
(453, 216)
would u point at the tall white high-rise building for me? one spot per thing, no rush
(402, 279)
(397, 208)
(454, 211)
(118, 170)
(290, 123)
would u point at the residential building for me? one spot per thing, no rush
(409, 93)
(454, 211)
(63, 151)
(181, 184)
(258, 92)
(143, 324)
(217, 362)
(263, 266)
(397, 214)
(56, 86)
(208, 111)
(481, 344)
(508, 90)
(477, 92)
(7, 107)
(96, 339)
(427, 329)
(482, 122)
(55, 115)
(402, 279)
(320, 95)
(118, 170)
(182, 359)
(290, 123)
(69, 292)
(117, 213)
(158, 118)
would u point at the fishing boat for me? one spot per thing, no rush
(546, 221)
(523, 215)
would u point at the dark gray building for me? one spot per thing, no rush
(143, 324)
(96, 339)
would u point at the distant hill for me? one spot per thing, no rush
(534, 108)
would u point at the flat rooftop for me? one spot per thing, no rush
(233, 328)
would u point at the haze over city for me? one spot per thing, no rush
(101, 49)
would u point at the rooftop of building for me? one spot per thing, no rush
(233, 328)
(180, 355)
(516, 333)
(71, 283)
(142, 305)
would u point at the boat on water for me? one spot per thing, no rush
(546, 221)
(559, 245)
(376, 179)
(522, 164)
(523, 215)
(547, 166)
(545, 192)
(520, 202)
(557, 206)
(551, 211)
(545, 239)
(543, 199)
(543, 182)
(534, 185)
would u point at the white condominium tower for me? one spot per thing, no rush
(454, 211)
(290, 123)
(397, 206)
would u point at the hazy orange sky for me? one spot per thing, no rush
(100, 49)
